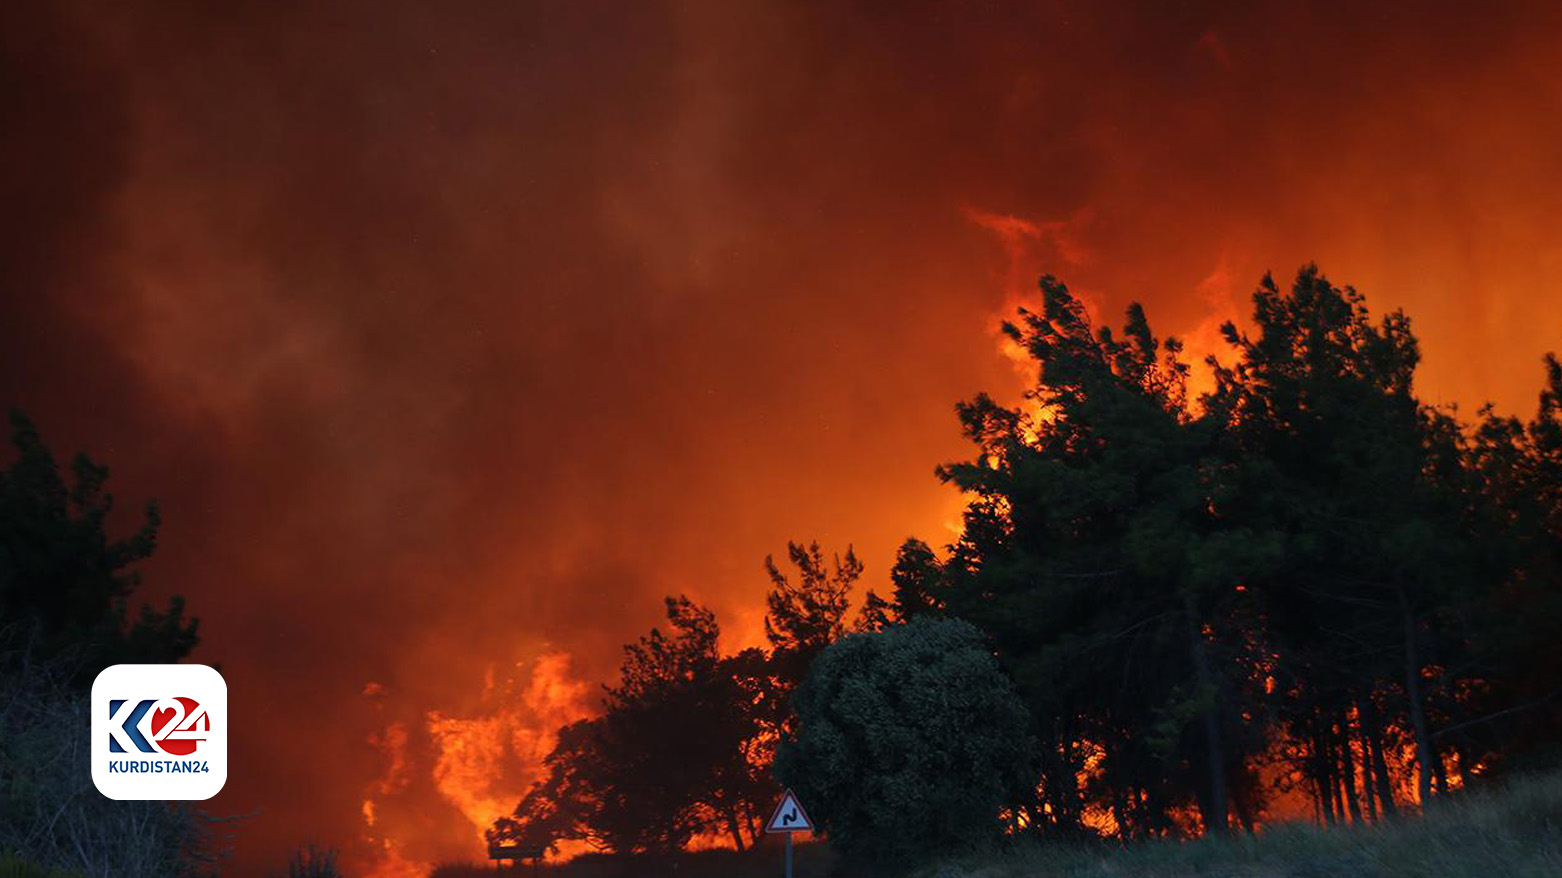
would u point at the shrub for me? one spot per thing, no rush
(909, 743)
(51, 815)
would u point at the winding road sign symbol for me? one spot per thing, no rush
(789, 816)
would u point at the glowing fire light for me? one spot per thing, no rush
(481, 764)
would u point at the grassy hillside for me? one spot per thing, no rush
(1515, 832)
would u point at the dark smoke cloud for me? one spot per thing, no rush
(447, 332)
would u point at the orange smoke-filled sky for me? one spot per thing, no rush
(452, 336)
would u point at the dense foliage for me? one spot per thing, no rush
(65, 588)
(686, 738)
(64, 583)
(1306, 579)
(910, 743)
(1302, 587)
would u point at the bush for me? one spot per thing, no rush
(909, 743)
(52, 817)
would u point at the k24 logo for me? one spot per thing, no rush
(160, 732)
(174, 726)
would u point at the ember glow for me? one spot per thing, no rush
(450, 342)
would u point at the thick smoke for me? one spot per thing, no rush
(452, 336)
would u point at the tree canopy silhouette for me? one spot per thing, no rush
(1305, 578)
(66, 585)
(66, 591)
(664, 762)
(686, 738)
(1304, 581)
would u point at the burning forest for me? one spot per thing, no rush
(519, 404)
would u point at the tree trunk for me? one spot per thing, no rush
(1417, 711)
(736, 829)
(1242, 804)
(1325, 796)
(1332, 774)
(1348, 769)
(1217, 817)
(1372, 728)
(1366, 770)
(1119, 799)
(755, 831)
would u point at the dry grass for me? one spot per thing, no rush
(1509, 832)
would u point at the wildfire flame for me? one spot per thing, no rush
(481, 764)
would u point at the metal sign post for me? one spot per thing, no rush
(789, 818)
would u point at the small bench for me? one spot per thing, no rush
(515, 853)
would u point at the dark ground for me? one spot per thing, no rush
(810, 860)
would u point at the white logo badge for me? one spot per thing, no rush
(159, 732)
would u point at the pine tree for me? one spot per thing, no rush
(66, 585)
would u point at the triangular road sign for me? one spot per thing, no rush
(789, 817)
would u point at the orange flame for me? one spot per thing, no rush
(473, 750)
(481, 764)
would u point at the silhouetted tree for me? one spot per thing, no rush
(1093, 556)
(666, 761)
(65, 592)
(917, 579)
(746, 790)
(1519, 467)
(1390, 545)
(65, 585)
(1307, 564)
(807, 613)
(1307, 578)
